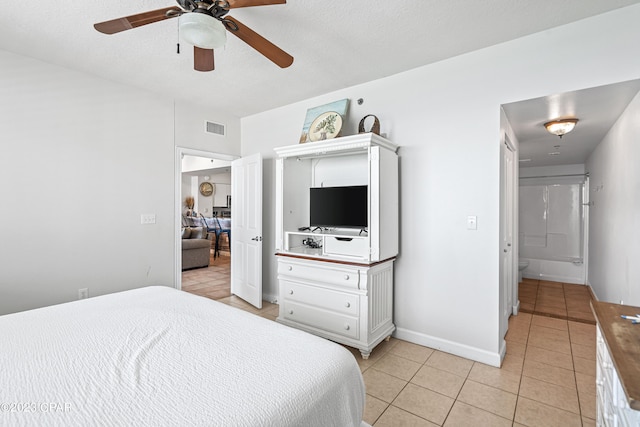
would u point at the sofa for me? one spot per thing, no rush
(196, 247)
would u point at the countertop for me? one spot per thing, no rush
(623, 341)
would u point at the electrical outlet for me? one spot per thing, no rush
(472, 222)
(83, 293)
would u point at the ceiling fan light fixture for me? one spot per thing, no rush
(560, 127)
(202, 30)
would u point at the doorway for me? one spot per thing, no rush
(204, 214)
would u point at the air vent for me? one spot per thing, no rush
(215, 128)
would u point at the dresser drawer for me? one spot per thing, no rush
(336, 323)
(353, 247)
(323, 298)
(329, 274)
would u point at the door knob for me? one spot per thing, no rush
(509, 244)
(257, 238)
(505, 250)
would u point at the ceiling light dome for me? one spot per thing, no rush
(560, 127)
(202, 30)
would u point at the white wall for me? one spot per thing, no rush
(446, 118)
(95, 155)
(614, 224)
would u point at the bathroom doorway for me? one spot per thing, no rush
(556, 197)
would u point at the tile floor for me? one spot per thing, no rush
(547, 377)
(559, 300)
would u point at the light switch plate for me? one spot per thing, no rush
(147, 218)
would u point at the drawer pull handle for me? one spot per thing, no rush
(290, 291)
(347, 304)
(346, 327)
(290, 268)
(346, 277)
(290, 311)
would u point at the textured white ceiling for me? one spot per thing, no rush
(335, 44)
(597, 109)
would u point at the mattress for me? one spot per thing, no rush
(157, 356)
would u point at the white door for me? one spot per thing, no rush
(246, 229)
(507, 253)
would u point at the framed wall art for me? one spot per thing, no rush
(324, 121)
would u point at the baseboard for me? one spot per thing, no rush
(516, 308)
(593, 294)
(462, 350)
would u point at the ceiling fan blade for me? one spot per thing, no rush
(133, 21)
(248, 3)
(259, 43)
(202, 59)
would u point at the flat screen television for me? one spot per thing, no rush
(339, 207)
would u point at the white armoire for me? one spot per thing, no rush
(338, 282)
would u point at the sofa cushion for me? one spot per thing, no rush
(198, 233)
(186, 233)
(195, 244)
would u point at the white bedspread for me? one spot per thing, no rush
(160, 357)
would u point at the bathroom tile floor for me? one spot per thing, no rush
(554, 299)
(547, 377)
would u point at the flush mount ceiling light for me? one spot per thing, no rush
(202, 30)
(560, 127)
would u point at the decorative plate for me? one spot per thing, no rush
(326, 126)
(206, 188)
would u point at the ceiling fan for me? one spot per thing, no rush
(204, 24)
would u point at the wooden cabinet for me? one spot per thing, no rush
(338, 282)
(617, 370)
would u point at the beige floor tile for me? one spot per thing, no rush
(552, 358)
(582, 338)
(517, 334)
(584, 366)
(495, 377)
(382, 386)
(397, 366)
(587, 405)
(424, 403)
(551, 374)
(550, 394)
(463, 415)
(450, 363)
(396, 417)
(552, 302)
(439, 381)
(535, 414)
(545, 331)
(584, 351)
(373, 408)
(516, 348)
(585, 383)
(490, 399)
(582, 328)
(411, 351)
(560, 345)
(549, 322)
(551, 311)
(513, 363)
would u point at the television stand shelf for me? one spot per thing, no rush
(347, 244)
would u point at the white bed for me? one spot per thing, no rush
(156, 356)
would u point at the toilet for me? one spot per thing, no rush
(522, 264)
